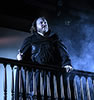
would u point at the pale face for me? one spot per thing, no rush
(42, 26)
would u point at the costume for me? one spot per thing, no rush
(45, 49)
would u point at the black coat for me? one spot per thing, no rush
(45, 50)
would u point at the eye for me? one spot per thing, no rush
(44, 22)
(41, 22)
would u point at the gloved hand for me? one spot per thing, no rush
(19, 56)
(68, 68)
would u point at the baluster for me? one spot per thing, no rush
(65, 85)
(12, 88)
(68, 89)
(62, 87)
(75, 90)
(88, 91)
(5, 83)
(55, 88)
(41, 87)
(34, 93)
(20, 86)
(22, 83)
(71, 86)
(17, 84)
(48, 88)
(93, 86)
(82, 91)
(28, 96)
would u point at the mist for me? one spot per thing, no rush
(76, 30)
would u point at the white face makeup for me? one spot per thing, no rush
(42, 26)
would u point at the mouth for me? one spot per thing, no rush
(44, 26)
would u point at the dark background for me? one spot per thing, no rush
(72, 20)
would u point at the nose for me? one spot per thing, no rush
(43, 24)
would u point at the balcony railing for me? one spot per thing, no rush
(76, 85)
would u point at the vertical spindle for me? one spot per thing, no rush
(41, 86)
(71, 86)
(48, 88)
(20, 86)
(75, 90)
(65, 86)
(62, 87)
(68, 89)
(34, 93)
(93, 86)
(12, 87)
(17, 84)
(82, 91)
(88, 90)
(55, 88)
(28, 95)
(5, 83)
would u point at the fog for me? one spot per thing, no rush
(76, 30)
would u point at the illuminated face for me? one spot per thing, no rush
(41, 26)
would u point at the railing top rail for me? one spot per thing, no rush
(28, 65)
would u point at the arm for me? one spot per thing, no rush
(24, 52)
(66, 61)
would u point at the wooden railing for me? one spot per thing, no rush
(52, 82)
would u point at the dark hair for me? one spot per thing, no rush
(33, 27)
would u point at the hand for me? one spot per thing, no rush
(68, 68)
(19, 56)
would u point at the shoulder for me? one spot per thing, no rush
(54, 37)
(61, 43)
(28, 39)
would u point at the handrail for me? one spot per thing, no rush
(28, 65)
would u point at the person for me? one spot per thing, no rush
(44, 47)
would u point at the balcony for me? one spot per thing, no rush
(76, 85)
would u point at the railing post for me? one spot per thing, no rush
(65, 75)
(75, 90)
(93, 86)
(41, 87)
(48, 88)
(71, 86)
(21, 94)
(62, 87)
(69, 90)
(28, 95)
(55, 88)
(12, 88)
(34, 93)
(5, 83)
(17, 85)
(82, 91)
(88, 89)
